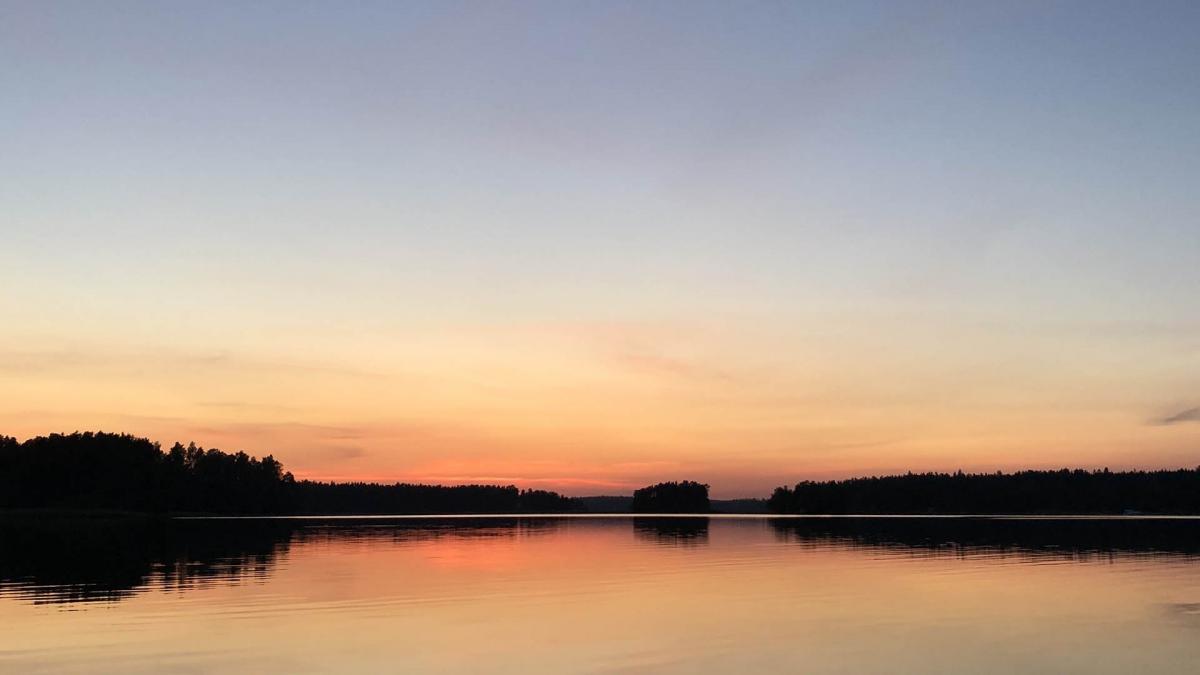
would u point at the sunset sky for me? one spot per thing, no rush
(589, 246)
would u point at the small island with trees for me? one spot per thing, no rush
(674, 497)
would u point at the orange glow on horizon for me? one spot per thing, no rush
(605, 409)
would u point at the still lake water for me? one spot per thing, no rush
(601, 594)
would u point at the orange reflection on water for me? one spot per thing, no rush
(631, 595)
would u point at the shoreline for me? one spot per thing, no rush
(85, 514)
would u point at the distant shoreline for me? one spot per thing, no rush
(97, 474)
(109, 514)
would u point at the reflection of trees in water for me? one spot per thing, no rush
(64, 560)
(1040, 537)
(409, 530)
(50, 560)
(672, 531)
(73, 559)
(1183, 613)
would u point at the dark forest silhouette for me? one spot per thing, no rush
(1024, 492)
(354, 498)
(119, 472)
(674, 497)
(102, 471)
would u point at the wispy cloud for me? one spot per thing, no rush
(658, 365)
(648, 349)
(247, 406)
(339, 452)
(1189, 415)
(249, 429)
(16, 362)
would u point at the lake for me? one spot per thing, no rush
(615, 594)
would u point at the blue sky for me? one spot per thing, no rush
(931, 195)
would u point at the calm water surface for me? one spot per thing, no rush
(619, 594)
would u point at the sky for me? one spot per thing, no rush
(588, 246)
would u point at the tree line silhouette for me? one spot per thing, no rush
(674, 497)
(1024, 492)
(361, 498)
(104, 471)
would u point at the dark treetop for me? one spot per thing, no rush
(682, 497)
(1023, 492)
(91, 471)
